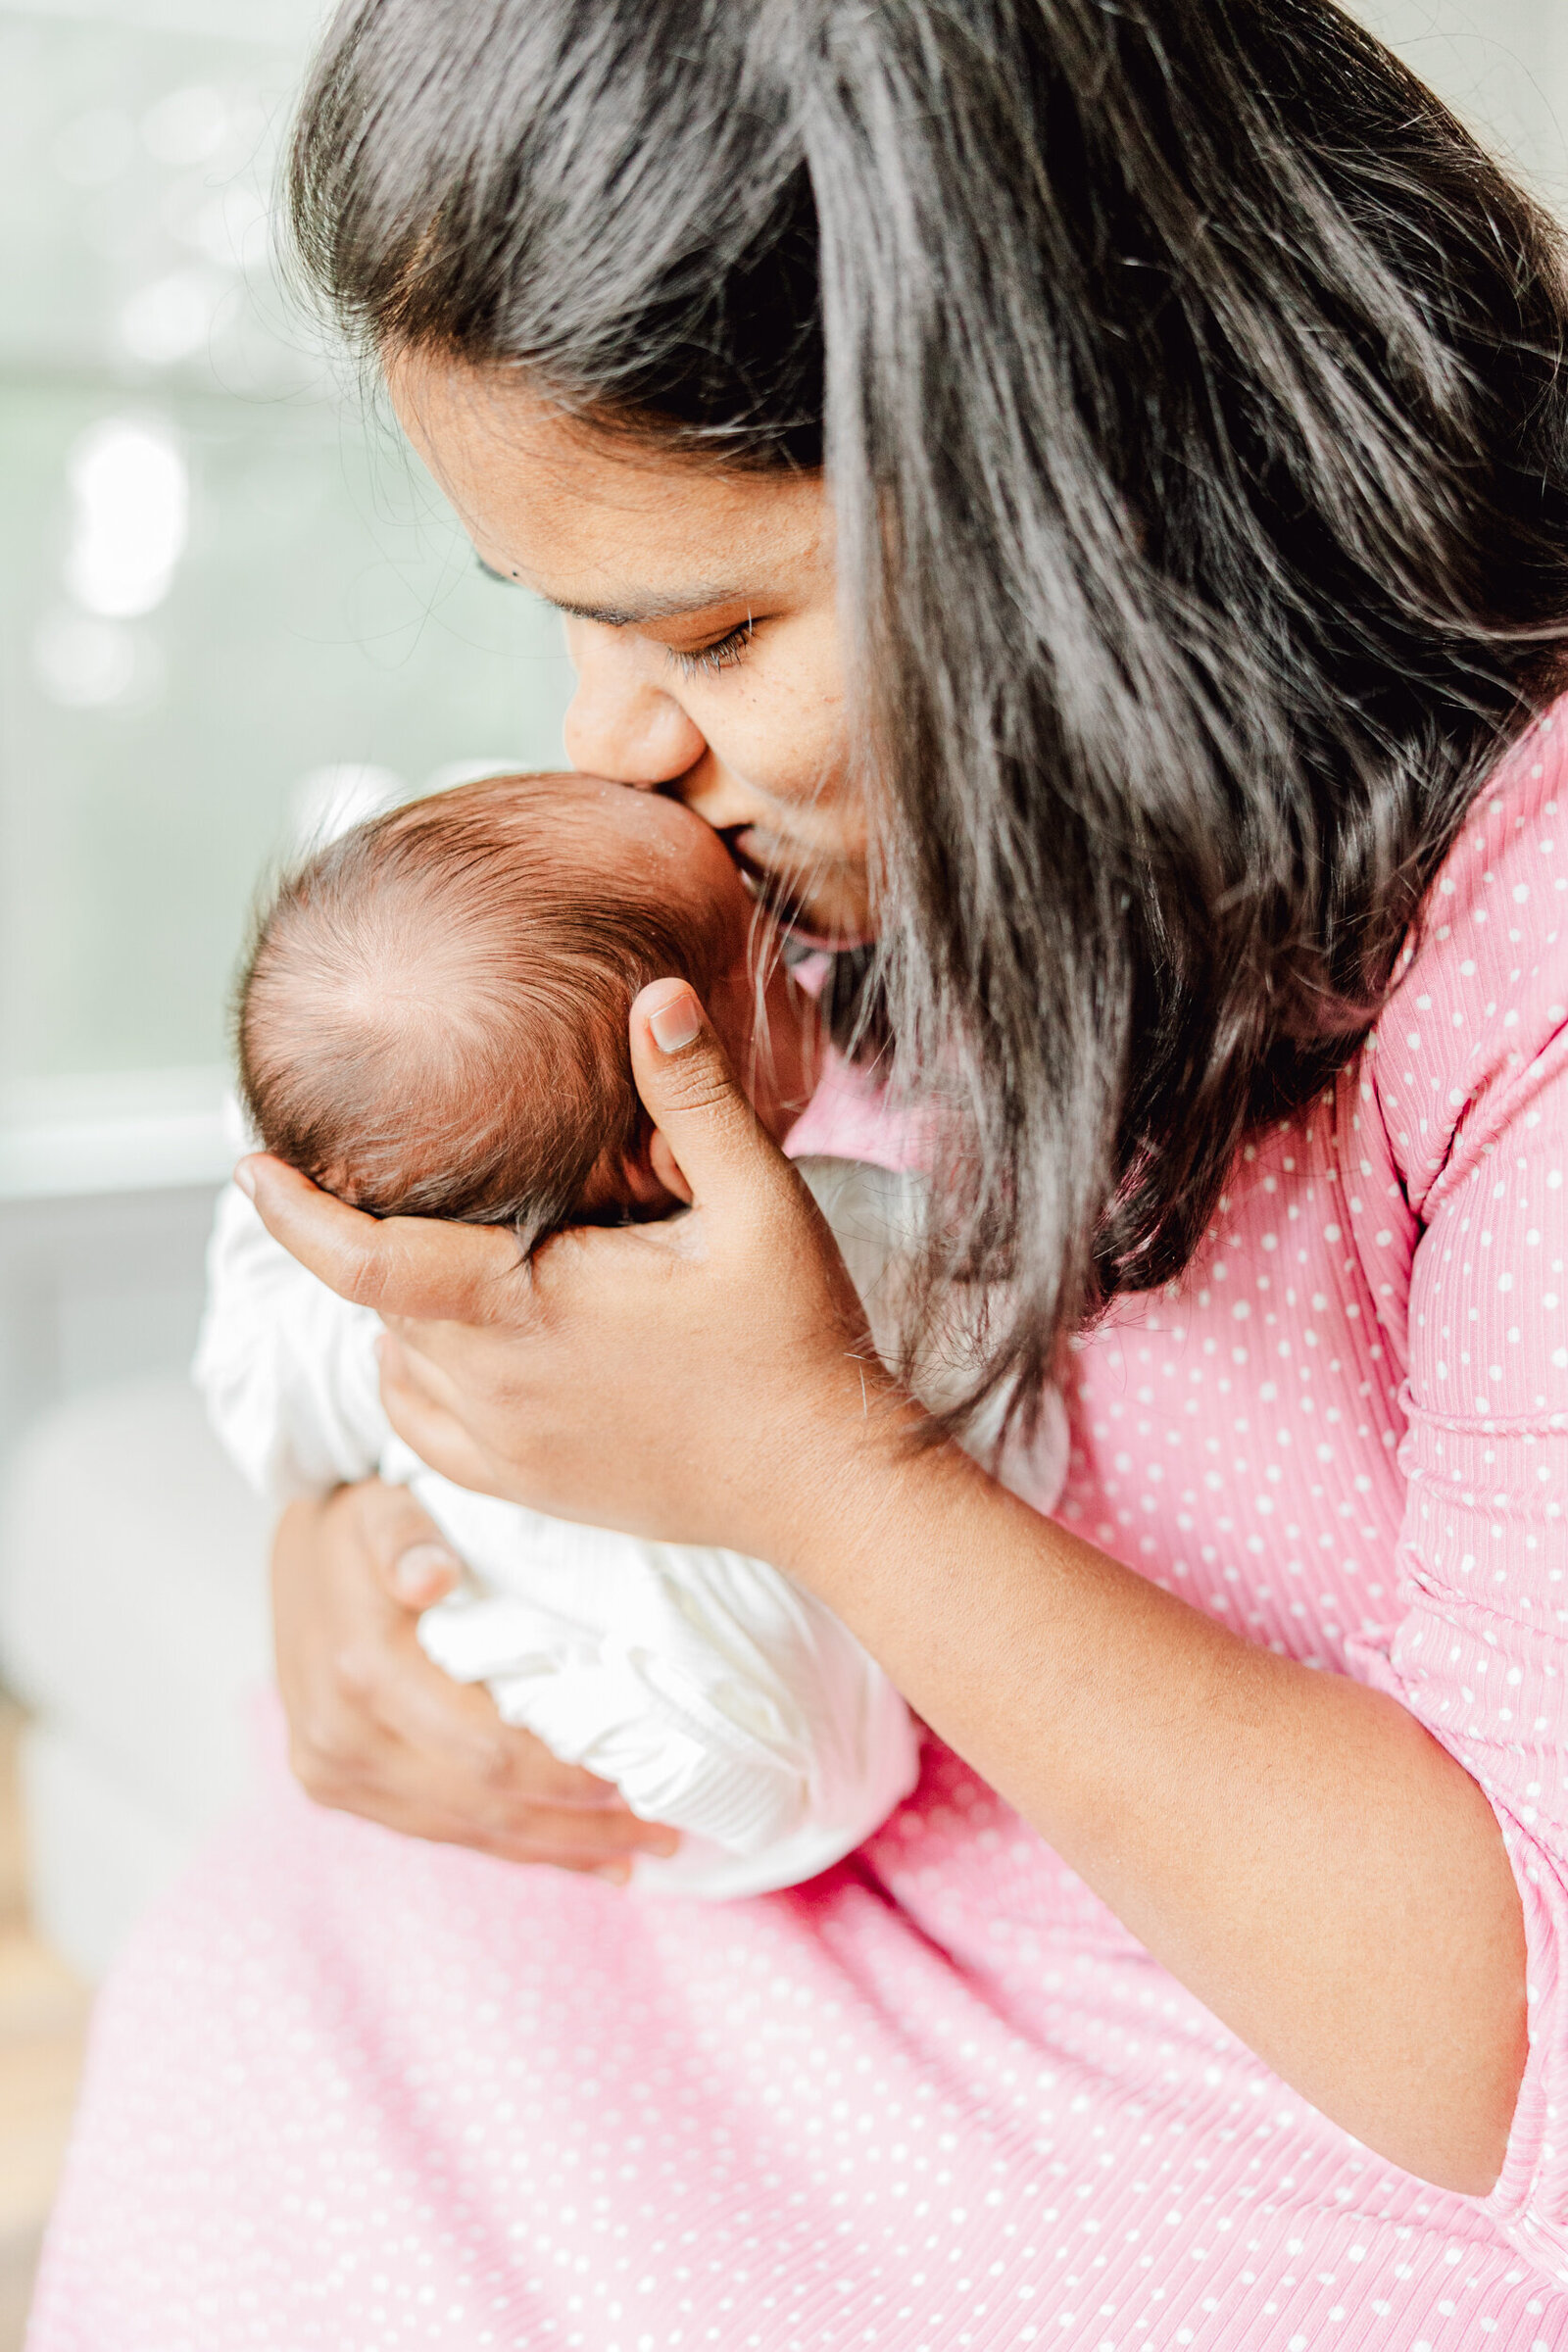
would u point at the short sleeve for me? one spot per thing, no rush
(1477, 1095)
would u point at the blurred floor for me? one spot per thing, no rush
(43, 2013)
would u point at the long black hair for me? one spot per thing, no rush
(1191, 392)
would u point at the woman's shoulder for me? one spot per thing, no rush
(1479, 1020)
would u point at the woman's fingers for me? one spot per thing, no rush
(585, 1843)
(441, 1721)
(566, 1837)
(464, 1777)
(415, 1565)
(411, 1266)
(462, 1742)
(375, 1729)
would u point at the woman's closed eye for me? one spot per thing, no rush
(722, 653)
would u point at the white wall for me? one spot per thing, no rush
(284, 22)
(1503, 65)
(95, 1290)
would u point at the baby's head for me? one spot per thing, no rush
(433, 1018)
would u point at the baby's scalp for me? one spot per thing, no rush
(432, 1017)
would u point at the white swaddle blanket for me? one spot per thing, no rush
(718, 1695)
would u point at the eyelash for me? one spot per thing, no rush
(722, 655)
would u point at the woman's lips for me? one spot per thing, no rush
(799, 906)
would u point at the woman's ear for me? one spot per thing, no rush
(661, 1160)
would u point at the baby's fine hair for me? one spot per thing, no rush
(433, 1016)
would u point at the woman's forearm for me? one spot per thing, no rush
(1293, 1846)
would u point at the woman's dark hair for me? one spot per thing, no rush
(1192, 391)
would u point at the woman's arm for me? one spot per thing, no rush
(1293, 1846)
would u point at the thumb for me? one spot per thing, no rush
(690, 1093)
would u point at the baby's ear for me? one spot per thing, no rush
(661, 1160)
(644, 1179)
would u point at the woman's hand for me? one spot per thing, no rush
(708, 1379)
(376, 1728)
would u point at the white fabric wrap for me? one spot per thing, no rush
(717, 1694)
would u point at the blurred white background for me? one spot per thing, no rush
(225, 594)
(225, 598)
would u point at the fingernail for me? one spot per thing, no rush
(676, 1023)
(417, 1571)
(613, 1874)
(663, 1842)
(245, 1178)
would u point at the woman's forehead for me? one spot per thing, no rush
(605, 526)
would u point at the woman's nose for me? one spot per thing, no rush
(620, 724)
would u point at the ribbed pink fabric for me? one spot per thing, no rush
(352, 2092)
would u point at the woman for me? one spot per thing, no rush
(1080, 494)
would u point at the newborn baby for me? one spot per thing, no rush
(433, 1022)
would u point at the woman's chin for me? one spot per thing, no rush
(811, 924)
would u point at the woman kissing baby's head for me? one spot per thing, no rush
(432, 1017)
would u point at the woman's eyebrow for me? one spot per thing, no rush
(637, 610)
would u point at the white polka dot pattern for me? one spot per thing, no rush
(357, 2093)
